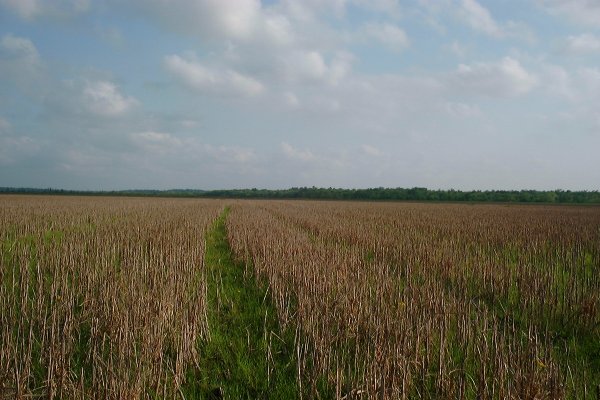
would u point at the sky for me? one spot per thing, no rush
(217, 94)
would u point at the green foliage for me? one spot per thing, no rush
(246, 355)
(371, 194)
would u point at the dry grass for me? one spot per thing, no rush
(100, 297)
(433, 301)
(107, 298)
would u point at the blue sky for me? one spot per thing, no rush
(463, 94)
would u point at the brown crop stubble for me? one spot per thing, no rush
(443, 301)
(100, 297)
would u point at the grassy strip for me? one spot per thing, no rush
(246, 355)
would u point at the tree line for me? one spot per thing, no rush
(372, 194)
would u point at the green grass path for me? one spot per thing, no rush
(246, 356)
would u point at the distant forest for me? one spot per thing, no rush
(373, 194)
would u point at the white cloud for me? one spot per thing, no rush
(232, 19)
(291, 99)
(231, 154)
(504, 78)
(84, 161)
(111, 35)
(25, 8)
(31, 9)
(462, 110)
(14, 148)
(580, 87)
(243, 83)
(236, 19)
(190, 149)
(306, 10)
(580, 11)
(584, 43)
(590, 80)
(19, 52)
(390, 35)
(105, 99)
(277, 29)
(388, 7)
(20, 47)
(479, 18)
(371, 150)
(558, 81)
(241, 20)
(458, 49)
(19, 60)
(156, 142)
(307, 64)
(189, 123)
(310, 66)
(194, 74)
(4, 125)
(293, 153)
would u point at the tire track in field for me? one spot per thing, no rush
(246, 356)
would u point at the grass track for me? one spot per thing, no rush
(246, 355)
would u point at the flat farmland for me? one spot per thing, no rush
(129, 298)
(100, 297)
(434, 300)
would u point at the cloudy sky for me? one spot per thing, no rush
(464, 94)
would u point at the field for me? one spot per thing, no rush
(131, 298)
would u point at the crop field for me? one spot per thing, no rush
(100, 298)
(140, 298)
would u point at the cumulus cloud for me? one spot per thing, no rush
(21, 67)
(242, 20)
(200, 77)
(231, 154)
(104, 98)
(479, 18)
(14, 147)
(305, 66)
(285, 70)
(32, 9)
(111, 35)
(388, 34)
(164, 144)
(308, 10)
(292, 153)
(156, 142)
(457, 48)
(590, 80)
(4, 125)
(462, 110)
(388, 7)
(581, 86)
(234, 19)
(584, 43)
(580, 11)
(20, 47)
(558, 82)
(19, 58)
(371, 150)
(83, 161)
(504, 78)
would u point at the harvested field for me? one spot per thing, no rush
(433, 300)
(100, 297)
(113, 298)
